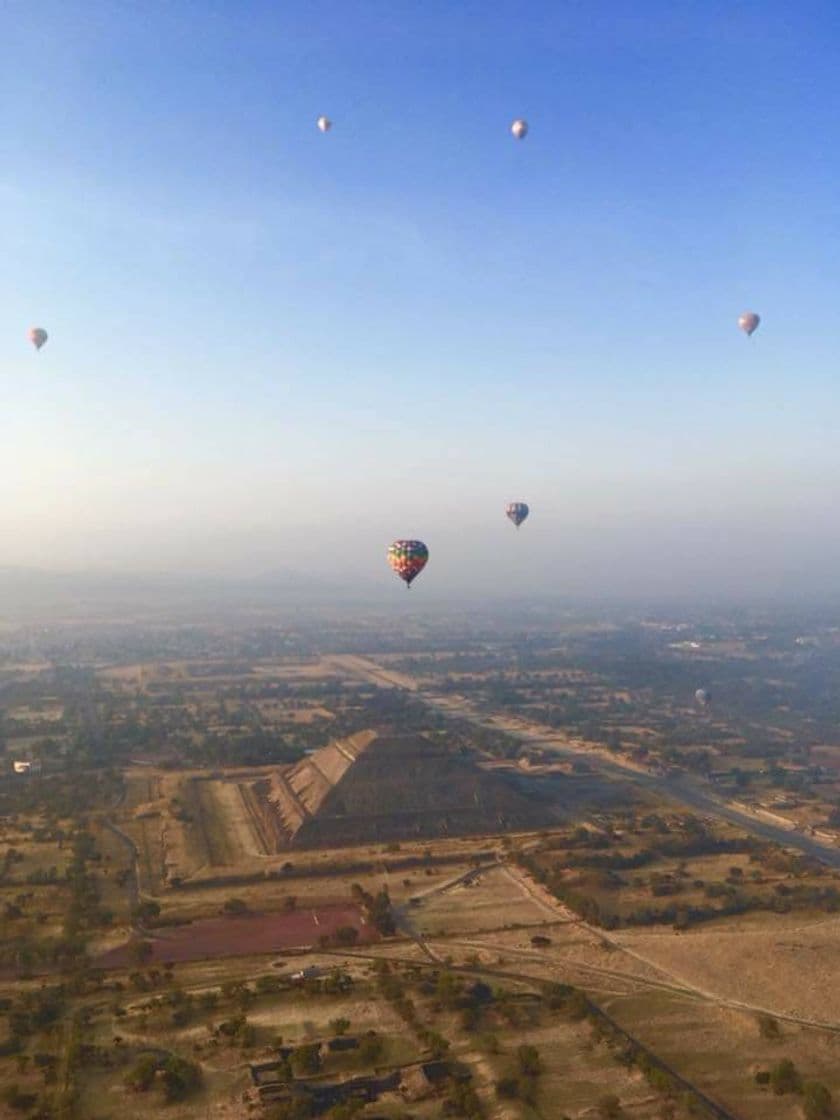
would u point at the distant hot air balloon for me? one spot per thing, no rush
(748, 321)
(324, 124)
(703, 697)
(408, 559)
(519, 128)
(37, 336)
(517, 512)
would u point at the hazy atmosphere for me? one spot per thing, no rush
(274, 351)
(534, 303)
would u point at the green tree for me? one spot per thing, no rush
(306, 1059)
(609, 1107)
(371, 1048)
(817, 1104)
(339, 1026)
(145, 912)
(507, 1087)
(235, 906)
(785, 1078)
(180, 1078)
(140, 951)
(346, 935)
(142, 1074)
(768, 1027)
(528, 1058)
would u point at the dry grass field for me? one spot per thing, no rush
(721, 1050)
(488, 900)
(789, 964)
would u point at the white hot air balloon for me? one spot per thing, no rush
(37, 336)
(519, 128)
(749, 321)
(324, 124)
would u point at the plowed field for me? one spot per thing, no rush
(243, 936)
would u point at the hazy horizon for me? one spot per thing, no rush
(273, 350)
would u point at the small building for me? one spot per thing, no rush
(22, 767)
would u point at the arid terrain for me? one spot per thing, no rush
(375, 882)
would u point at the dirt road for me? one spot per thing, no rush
(680, 787)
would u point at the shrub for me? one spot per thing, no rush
(306, 1059)
(507, 1087)
(371, 1048)
(817, 1103)
(609, 1107)
(785, 1078)
(529, 1061)
(180, 1078)
(768, 1027)
(142, 1074)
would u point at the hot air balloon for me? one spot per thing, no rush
(408, 559)
(703, 697)
(517, 512)
(748, 321)
(37, 336)
(519, 128)
(324, 124)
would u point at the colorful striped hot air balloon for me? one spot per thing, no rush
(517, 512)
(408, 559)
(37, 336)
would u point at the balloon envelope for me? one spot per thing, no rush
(519, 128)
(703, 697)
(517, 512)
(748, 321)
(324, 124)
(37, 336)
(408, 559)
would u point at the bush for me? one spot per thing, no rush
(817, 1104)
(235, 906)
(609, 1107)
(145, 912)
(180, 1078)
(142, 1074)
(785, 1078)
(371, 1048)
(507, 1088)
(768, 1027)
(529, 1061)
(306, 1059)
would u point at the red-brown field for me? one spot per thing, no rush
(246, 935)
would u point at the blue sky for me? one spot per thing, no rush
(274, 349)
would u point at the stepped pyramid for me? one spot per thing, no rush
(374, 786)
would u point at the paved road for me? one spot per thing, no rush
(681, 788)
